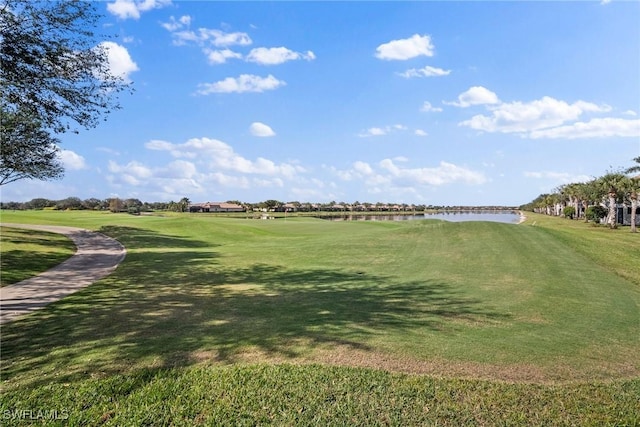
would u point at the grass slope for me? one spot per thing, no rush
(26, 253)
(532, 304)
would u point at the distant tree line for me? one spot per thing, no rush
(114, 204)
(597, 200)
(136, 206)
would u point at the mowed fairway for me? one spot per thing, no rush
(476, 300)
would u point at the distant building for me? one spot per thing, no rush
(623, 214)
(215, 207)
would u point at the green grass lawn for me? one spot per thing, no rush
(26, 253)
(544, 315)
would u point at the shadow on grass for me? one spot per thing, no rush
(19, 235)
(132, 237)
(19, 264)
(169, 306)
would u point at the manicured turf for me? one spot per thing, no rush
(314, 395)
(551, 303)
(26, 253)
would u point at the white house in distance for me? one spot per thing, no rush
(623, 214)
(215, 207)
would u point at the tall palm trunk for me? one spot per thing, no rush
(611, 218)
(634, 207)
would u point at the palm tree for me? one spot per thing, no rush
(635, 168)
(587, 193)
(550, 203)
(570, 193)
(183, 204)
(632, 190)
(612, 188)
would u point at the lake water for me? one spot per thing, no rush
(509, 217)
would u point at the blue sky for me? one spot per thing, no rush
(444, 103)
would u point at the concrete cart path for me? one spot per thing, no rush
(96, 257)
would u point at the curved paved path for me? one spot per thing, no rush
(96, 257)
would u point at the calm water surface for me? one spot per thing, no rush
(494, 216)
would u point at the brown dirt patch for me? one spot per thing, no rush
(339, 354)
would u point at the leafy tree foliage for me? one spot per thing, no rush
(596, 213)
(69, 203)
(39, 203)
(183, 204)
(115, 205)
(27, 151)
(635, 168)
(55, 77)
(569, 212)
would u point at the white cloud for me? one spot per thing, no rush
(420, 132)
(108, 151)
(125, 9)
(594, 128)
(133, 173)
(427, 107)
(425, 72)
(134, 168)
(276, 55)
(220, 56)
(403, 49)
(71, 160)
(261, 130)
(220, 38)
(168, 182)
(176, 24)
(391, 175)
(120, 62)
(230, 181)
(363, 168)
(178, 169)
(378, 131)
(444, 173)
(476, 95)
(213, 40)
(375, 131)
(526, 117)
(202, 167)
(546, 117)
(204, 36)
(630, 113)
(218, 155)
(241, 84)
(156, 144)
(362, 171)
